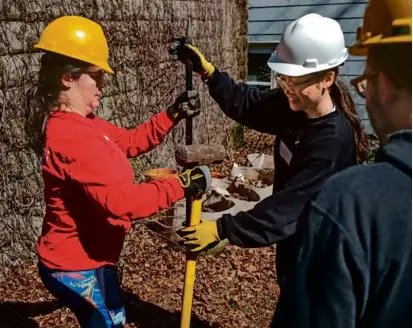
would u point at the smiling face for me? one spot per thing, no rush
(84, 91)
(305, 92)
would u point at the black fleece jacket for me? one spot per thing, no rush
(306, 153)
(354, 267)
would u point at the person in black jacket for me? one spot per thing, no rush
(354, 267)
(317, 133)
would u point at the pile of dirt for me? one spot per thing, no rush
(242, 192)
(254, 142)
(217, 203)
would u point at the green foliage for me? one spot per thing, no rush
(371, 150)
(238, 136)
(371, 155)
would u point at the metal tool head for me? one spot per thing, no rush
(193, 155)
(181, 40)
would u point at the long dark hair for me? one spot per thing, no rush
(341, 97)
(43, 96)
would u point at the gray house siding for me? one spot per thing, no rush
(268, 18)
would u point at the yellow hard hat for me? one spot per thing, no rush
(76, 37)
(385, 22)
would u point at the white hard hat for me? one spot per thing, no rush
(310, 44)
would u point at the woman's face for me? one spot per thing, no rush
(84, 93)
(304, 92)
(90, 85)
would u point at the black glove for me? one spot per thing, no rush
(183, 52)
(186, 105)
(196, 181)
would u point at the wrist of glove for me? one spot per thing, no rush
(207, 69)
(186, 105)
(196, 181)
(185, 52)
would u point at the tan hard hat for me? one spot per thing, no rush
(385, 22)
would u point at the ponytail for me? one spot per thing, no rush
(342, 98)
(37, 111)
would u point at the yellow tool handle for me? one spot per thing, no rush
(190, 270)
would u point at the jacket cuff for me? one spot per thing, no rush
(221, 231)
(179, 190)
(214, 79)
(166, 120)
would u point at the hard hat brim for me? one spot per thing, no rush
(104, 66)
(361, 48)
(294, 70)
(358, 49)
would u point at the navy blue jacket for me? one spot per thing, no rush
(354, 267)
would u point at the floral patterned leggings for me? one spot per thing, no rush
(94, 296)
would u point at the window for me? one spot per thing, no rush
(259, 74)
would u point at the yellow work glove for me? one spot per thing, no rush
(200, 237)
(183, 52)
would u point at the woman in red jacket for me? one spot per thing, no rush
(90, 195)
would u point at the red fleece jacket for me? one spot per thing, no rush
(89, 188)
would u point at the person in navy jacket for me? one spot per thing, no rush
(354, 266)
